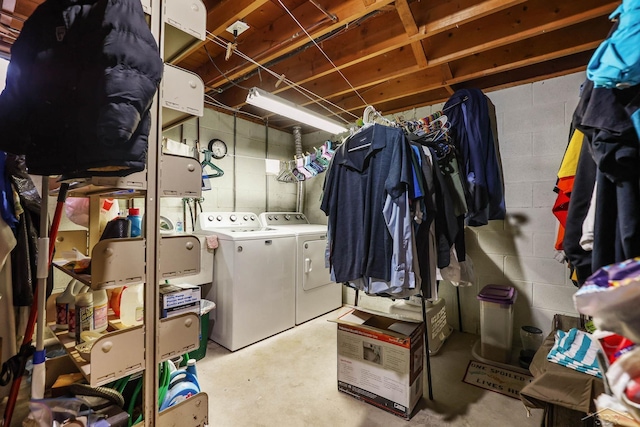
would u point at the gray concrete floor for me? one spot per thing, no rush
(290, 380)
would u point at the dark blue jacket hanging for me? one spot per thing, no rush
(474, 138)
(82, 76)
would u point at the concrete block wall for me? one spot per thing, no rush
(533, 122)
(254, 190)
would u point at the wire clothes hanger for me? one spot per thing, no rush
(207, 162)
(464, 98)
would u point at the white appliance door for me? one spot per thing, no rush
(314, 272)
(263, 289)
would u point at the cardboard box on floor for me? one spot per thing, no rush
(380, 360)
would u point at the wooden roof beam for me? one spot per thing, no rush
(282, 29)
(404, 11)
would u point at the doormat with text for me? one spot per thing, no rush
(493, 378)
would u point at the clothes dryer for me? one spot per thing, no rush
(253, 281)
(315, 293)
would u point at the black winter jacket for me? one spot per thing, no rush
(81, 80)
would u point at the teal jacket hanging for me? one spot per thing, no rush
(616, 62)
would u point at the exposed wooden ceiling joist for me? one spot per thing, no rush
(396, 54)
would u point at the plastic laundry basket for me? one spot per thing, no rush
(205, 307)
(496, 322)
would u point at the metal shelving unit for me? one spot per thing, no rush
(176, 25)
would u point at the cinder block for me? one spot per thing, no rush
(553, 297)
(552, 139)
(551, 90)
(531, 269)
(491, 265)
(225, 199)
(530, 220)
(225, 123)
(516, 145)
(532, 119)
(543, 194)
(518, 195)
(517, 97)
(543, 244)
(503, 243)
(527, 169)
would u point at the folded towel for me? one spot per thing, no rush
(576, 350)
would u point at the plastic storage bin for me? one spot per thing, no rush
(496, 322)
(205, 307)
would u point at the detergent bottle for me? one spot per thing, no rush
(100, 310)
(183, 383)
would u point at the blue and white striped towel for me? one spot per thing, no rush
(576, 350)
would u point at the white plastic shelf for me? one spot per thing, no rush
(187, 25)
(178, 335)
(113, 356)
(131, 185)
(179, 256)
(146, 6)
(181, 95)
(180, 176)
(117, 262)
(192, 412)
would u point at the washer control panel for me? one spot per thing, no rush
(208, 220)
(283, 218)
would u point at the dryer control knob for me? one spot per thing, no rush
(276, 217)
(210, 218)
(298, 217)
(287, 217)
(219, 217)
(246, 217)
(253, 217)
(233, 218)
(270, 217)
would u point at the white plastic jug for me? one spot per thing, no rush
(132, 305)
(68, 297)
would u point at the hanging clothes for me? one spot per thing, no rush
(366, 200)
(472, 134)
(564, 183)
(581, 193)
(7, 209)
(24, 255)
(615, 147)
(79, 87)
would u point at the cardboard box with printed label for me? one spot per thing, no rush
(178, 299)
(380, 360)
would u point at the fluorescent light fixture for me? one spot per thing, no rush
(262, 99)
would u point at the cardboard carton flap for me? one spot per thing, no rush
(379, 322)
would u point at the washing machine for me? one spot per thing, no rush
(315, 293)
(253, 285)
